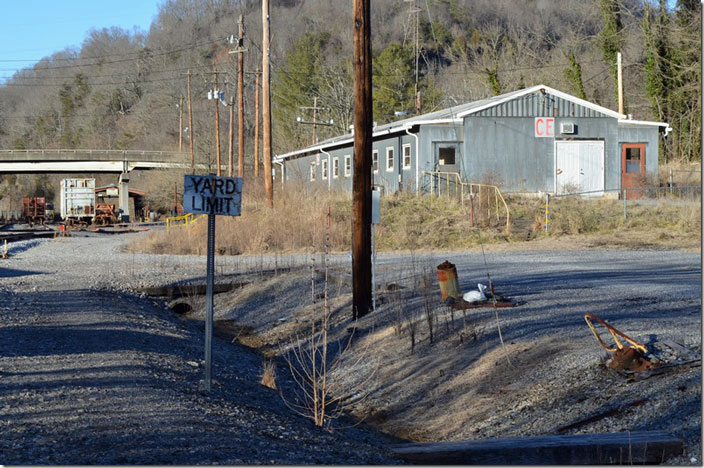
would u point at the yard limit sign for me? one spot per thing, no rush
(213, 196)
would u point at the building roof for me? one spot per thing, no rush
(455, 114)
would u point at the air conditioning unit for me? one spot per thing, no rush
(566, 127)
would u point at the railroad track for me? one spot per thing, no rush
(13, 236)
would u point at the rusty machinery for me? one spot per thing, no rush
(633, 357)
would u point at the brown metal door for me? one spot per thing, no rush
(632, 169)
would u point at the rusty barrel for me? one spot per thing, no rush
(447, 277)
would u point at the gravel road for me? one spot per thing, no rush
(93, 372)
(90, 374)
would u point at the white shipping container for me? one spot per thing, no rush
(78, 199)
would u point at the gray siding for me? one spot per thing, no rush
(505, 151)
(537, 105)
(650, 136)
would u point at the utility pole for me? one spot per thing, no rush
(362, 187)
(619, 75)
(240, 96)
(190, 123)
(217, 118)
(232, 137)
(315, 121)
(180, 125)
(256, 128)
(266, 107)
(217, 96)
(414, 10)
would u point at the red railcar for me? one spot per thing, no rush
(34, 209)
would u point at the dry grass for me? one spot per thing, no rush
(411, 223)
(268, 375)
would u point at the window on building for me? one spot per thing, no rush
(375, 161)
(348, 165)
(632, 159)
(335, 168)
(406, 156)
(312, 171)
(389, 159)
(446, 156)
(324, 169)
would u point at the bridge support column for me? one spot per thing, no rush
(124, 205)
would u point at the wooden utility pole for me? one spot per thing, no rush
(232, 137)
(180, 125)
(217, 118)
(362, 187)
(620, 82)
(190, 123)
(240, 101)
(256, 129)
(266, 106)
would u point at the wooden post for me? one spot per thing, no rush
(180, 125)
(232, 137)
(256, 128)
(190, 123)
(266, 107)
(240, 101)
(362, 193)
(217, 120)
(620, 82)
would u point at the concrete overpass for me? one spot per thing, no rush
(40, 161)
(122, 162)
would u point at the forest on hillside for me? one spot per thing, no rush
(123, 89)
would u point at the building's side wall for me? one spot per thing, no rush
(650, 136)
(505, 151)
(398, 178)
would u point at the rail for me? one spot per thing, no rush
(182, 221)
(453, 183)
(94, 151)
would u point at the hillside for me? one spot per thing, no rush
(122, 89)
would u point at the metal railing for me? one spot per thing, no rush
(182, 221)
(455, 186)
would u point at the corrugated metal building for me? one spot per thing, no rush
(535, 140)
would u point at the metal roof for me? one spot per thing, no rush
(453, 114)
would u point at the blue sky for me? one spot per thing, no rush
(33, 29)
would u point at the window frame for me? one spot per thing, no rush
(324, 169)
(389, 151)
(335, 167)
(403, 152)
(375, 161)
(348, 165)
(313, 172)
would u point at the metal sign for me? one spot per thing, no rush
(544, 127)
(212, 195)
(376, 202)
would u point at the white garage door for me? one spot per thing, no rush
(579, 167)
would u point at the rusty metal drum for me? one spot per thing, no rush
(447, 277)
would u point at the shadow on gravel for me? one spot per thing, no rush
(12, 273)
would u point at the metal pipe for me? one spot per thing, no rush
(624, 205)
(408, 131)
(547, 211)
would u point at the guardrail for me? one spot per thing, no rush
(455, 186)
(182, 221)
(94, 151)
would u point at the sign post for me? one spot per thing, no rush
(376, 218)
(213, 196)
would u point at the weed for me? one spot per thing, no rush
(268, 375)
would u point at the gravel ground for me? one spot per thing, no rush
(92, 374)
(113, 356)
